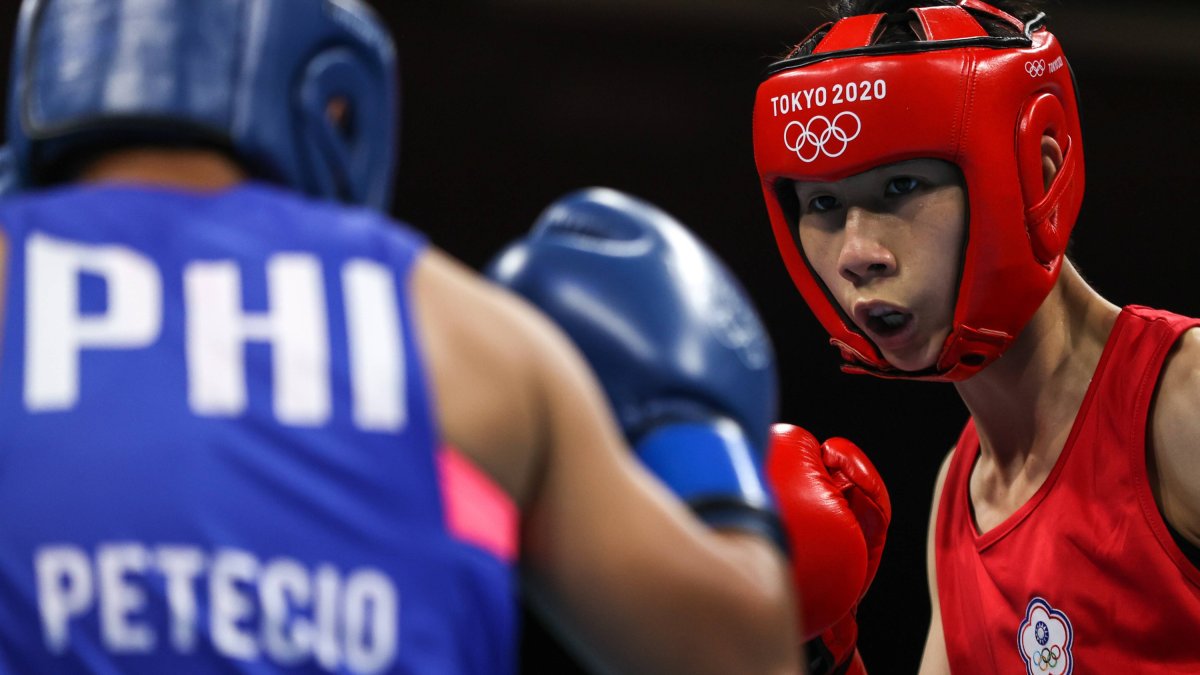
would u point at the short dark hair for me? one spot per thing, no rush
(900, 30)
(845, 8)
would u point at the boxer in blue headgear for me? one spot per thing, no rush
(228, 401)
(302, 93)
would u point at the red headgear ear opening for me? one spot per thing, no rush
(1043, 115)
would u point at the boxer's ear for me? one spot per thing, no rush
(1052, 160)
(1047, 165)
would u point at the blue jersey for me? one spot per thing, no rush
(217, 448)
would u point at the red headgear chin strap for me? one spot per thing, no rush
(982, 103)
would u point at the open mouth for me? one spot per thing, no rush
(887, 322)
(883, 320)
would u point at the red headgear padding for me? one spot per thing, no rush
(982, 103)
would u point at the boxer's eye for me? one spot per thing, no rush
(901, 185)
(822, 203)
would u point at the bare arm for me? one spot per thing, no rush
(934, 660)
(1174, 458)
(616, 560)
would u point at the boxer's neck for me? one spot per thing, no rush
(1025, 403)
(186, 169)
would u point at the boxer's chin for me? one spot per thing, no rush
(916, 354)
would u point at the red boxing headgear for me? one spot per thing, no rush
(956, 94)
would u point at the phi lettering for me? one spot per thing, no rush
(217, 330)
(278, 609)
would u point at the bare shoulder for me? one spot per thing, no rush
(484, 349)
(1175, 437)
(1175, 426)
(464, 308)
(931, 536)
(1181, 372)
(933, 659)
(938, 486)
(941, 477)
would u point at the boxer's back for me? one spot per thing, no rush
(218, 441)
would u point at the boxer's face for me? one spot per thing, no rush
(887, 243)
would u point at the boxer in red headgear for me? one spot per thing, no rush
(922, 165)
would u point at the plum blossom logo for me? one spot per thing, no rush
(1045, 639)
(822, 136)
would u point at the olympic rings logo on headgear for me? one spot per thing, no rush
(819, 134)
(1036, 68)
(1048, 658)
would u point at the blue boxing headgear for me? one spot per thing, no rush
(257, 78)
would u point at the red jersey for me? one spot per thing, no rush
(1085, 576)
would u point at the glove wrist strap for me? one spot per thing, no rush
(713, 468)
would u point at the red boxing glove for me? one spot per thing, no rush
(836, 510)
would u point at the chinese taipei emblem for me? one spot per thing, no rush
(1045, 639)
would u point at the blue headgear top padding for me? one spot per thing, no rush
(256, 77)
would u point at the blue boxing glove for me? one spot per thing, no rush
(680, 352)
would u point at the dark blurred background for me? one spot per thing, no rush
(508, 104)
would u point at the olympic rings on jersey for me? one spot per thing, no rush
(1048, 658)
(1036, 68)
(830, 133)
